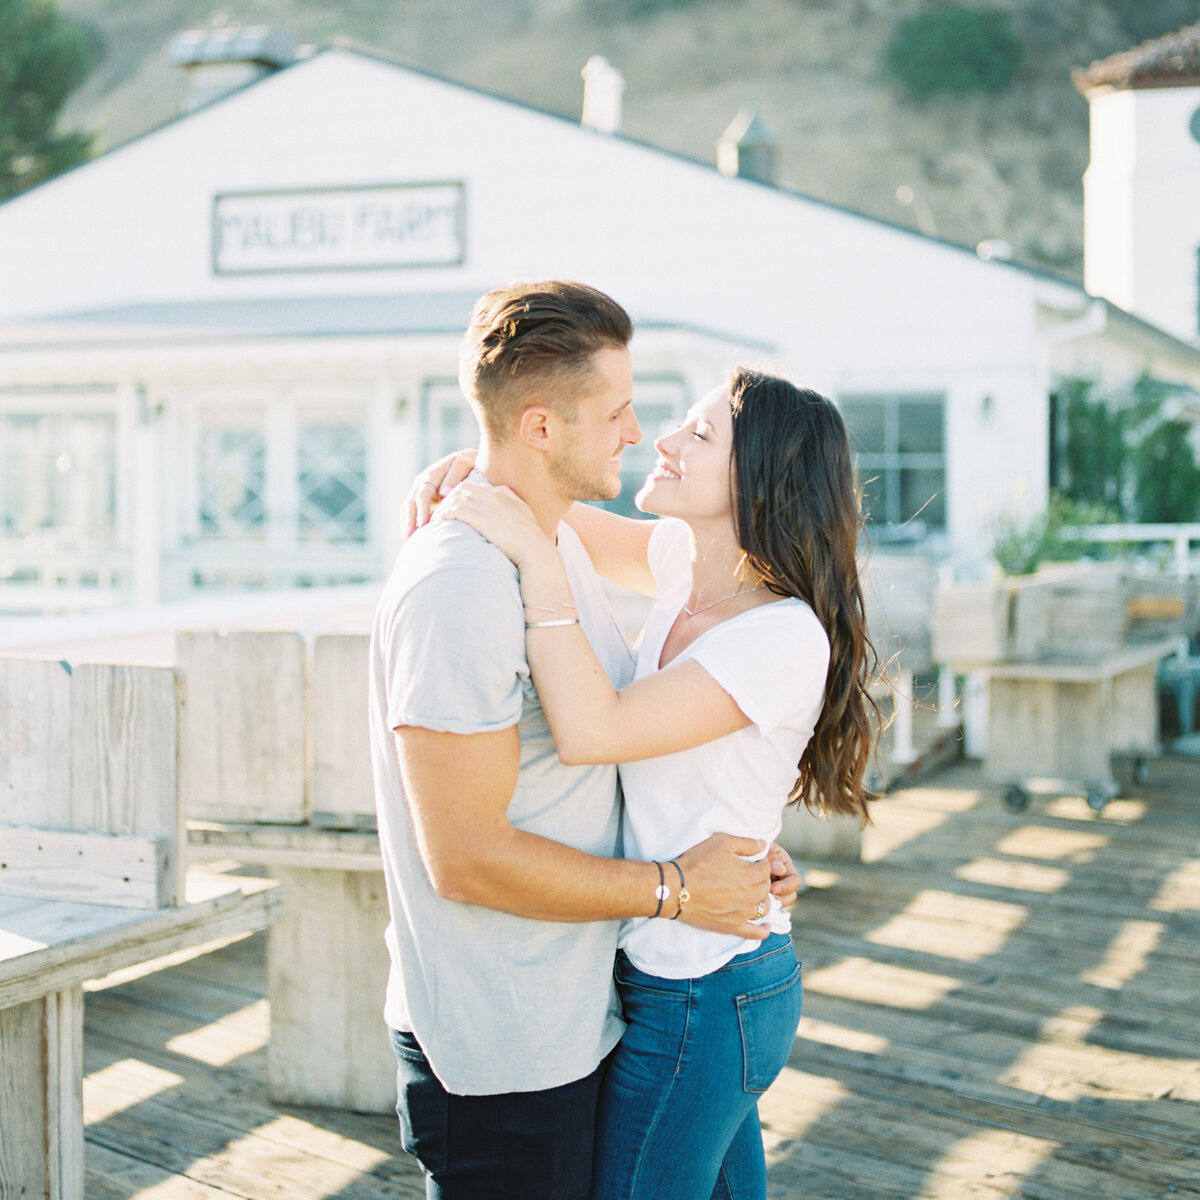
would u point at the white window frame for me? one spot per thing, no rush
(893, 461)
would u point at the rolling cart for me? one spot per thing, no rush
(1053, 726)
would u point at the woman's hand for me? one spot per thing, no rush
(501, 516)
(431, 486)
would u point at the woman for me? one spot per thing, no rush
(750, 692)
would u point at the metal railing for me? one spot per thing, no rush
(1177, 539)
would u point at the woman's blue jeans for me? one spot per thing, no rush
(679, 1107)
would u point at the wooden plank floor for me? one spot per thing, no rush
(996, 1005)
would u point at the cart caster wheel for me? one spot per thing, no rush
(1015, 799)
(1097, 799)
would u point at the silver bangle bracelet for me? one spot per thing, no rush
(551, 624)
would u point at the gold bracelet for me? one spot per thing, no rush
(551, 624)
(684, 894)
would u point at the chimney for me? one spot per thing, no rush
(603, 87)
(224, 58)
(747, 149)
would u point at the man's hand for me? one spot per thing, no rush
(786, 881)
(726, 893)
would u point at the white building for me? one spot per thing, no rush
(226, 345)
(1142, 185)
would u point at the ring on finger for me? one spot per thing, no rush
(760, 910)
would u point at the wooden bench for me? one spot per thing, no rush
(91, 881)
(277, 771)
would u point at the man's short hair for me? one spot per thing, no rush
(533, 343)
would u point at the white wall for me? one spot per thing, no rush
(1142, 205)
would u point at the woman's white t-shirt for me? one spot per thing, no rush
(772, 660)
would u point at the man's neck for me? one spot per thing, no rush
(528, 480)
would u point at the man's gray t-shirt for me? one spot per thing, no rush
(499, 1003)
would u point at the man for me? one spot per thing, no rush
(504, 891)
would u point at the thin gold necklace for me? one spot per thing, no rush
(691, 612)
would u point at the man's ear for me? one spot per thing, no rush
(534, 427)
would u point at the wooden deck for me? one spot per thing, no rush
(996, 1005)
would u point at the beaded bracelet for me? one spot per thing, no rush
(661, 892)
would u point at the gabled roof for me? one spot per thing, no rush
(1170, 61)
(348, 47)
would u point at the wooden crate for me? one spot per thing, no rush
(1162, 606)
(1064, 612)
(971, 623)
(1070, 615)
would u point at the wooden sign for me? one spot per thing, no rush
(339, 229)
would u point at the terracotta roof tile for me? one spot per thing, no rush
(1170, 61)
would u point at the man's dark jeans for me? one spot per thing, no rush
(520, 1145)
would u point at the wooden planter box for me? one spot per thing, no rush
(971, 623)
(1163, 606)
(1071, 615)
(1062, 613)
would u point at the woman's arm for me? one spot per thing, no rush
(616, 545)
(670, 710)
(673, 709)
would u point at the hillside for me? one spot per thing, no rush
(1005, 166)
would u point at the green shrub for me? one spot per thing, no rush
(634, 10)
(954, 50)
(1127, 450)
(1096, 454)
(1167, 479)
(1020, 547)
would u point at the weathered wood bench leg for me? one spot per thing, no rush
(327, 970)
(41, 1097)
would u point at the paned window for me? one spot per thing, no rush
(58, 476)
(231, 482)
(332, 481)
(899, 443)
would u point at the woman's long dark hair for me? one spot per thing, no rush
(796, 515)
